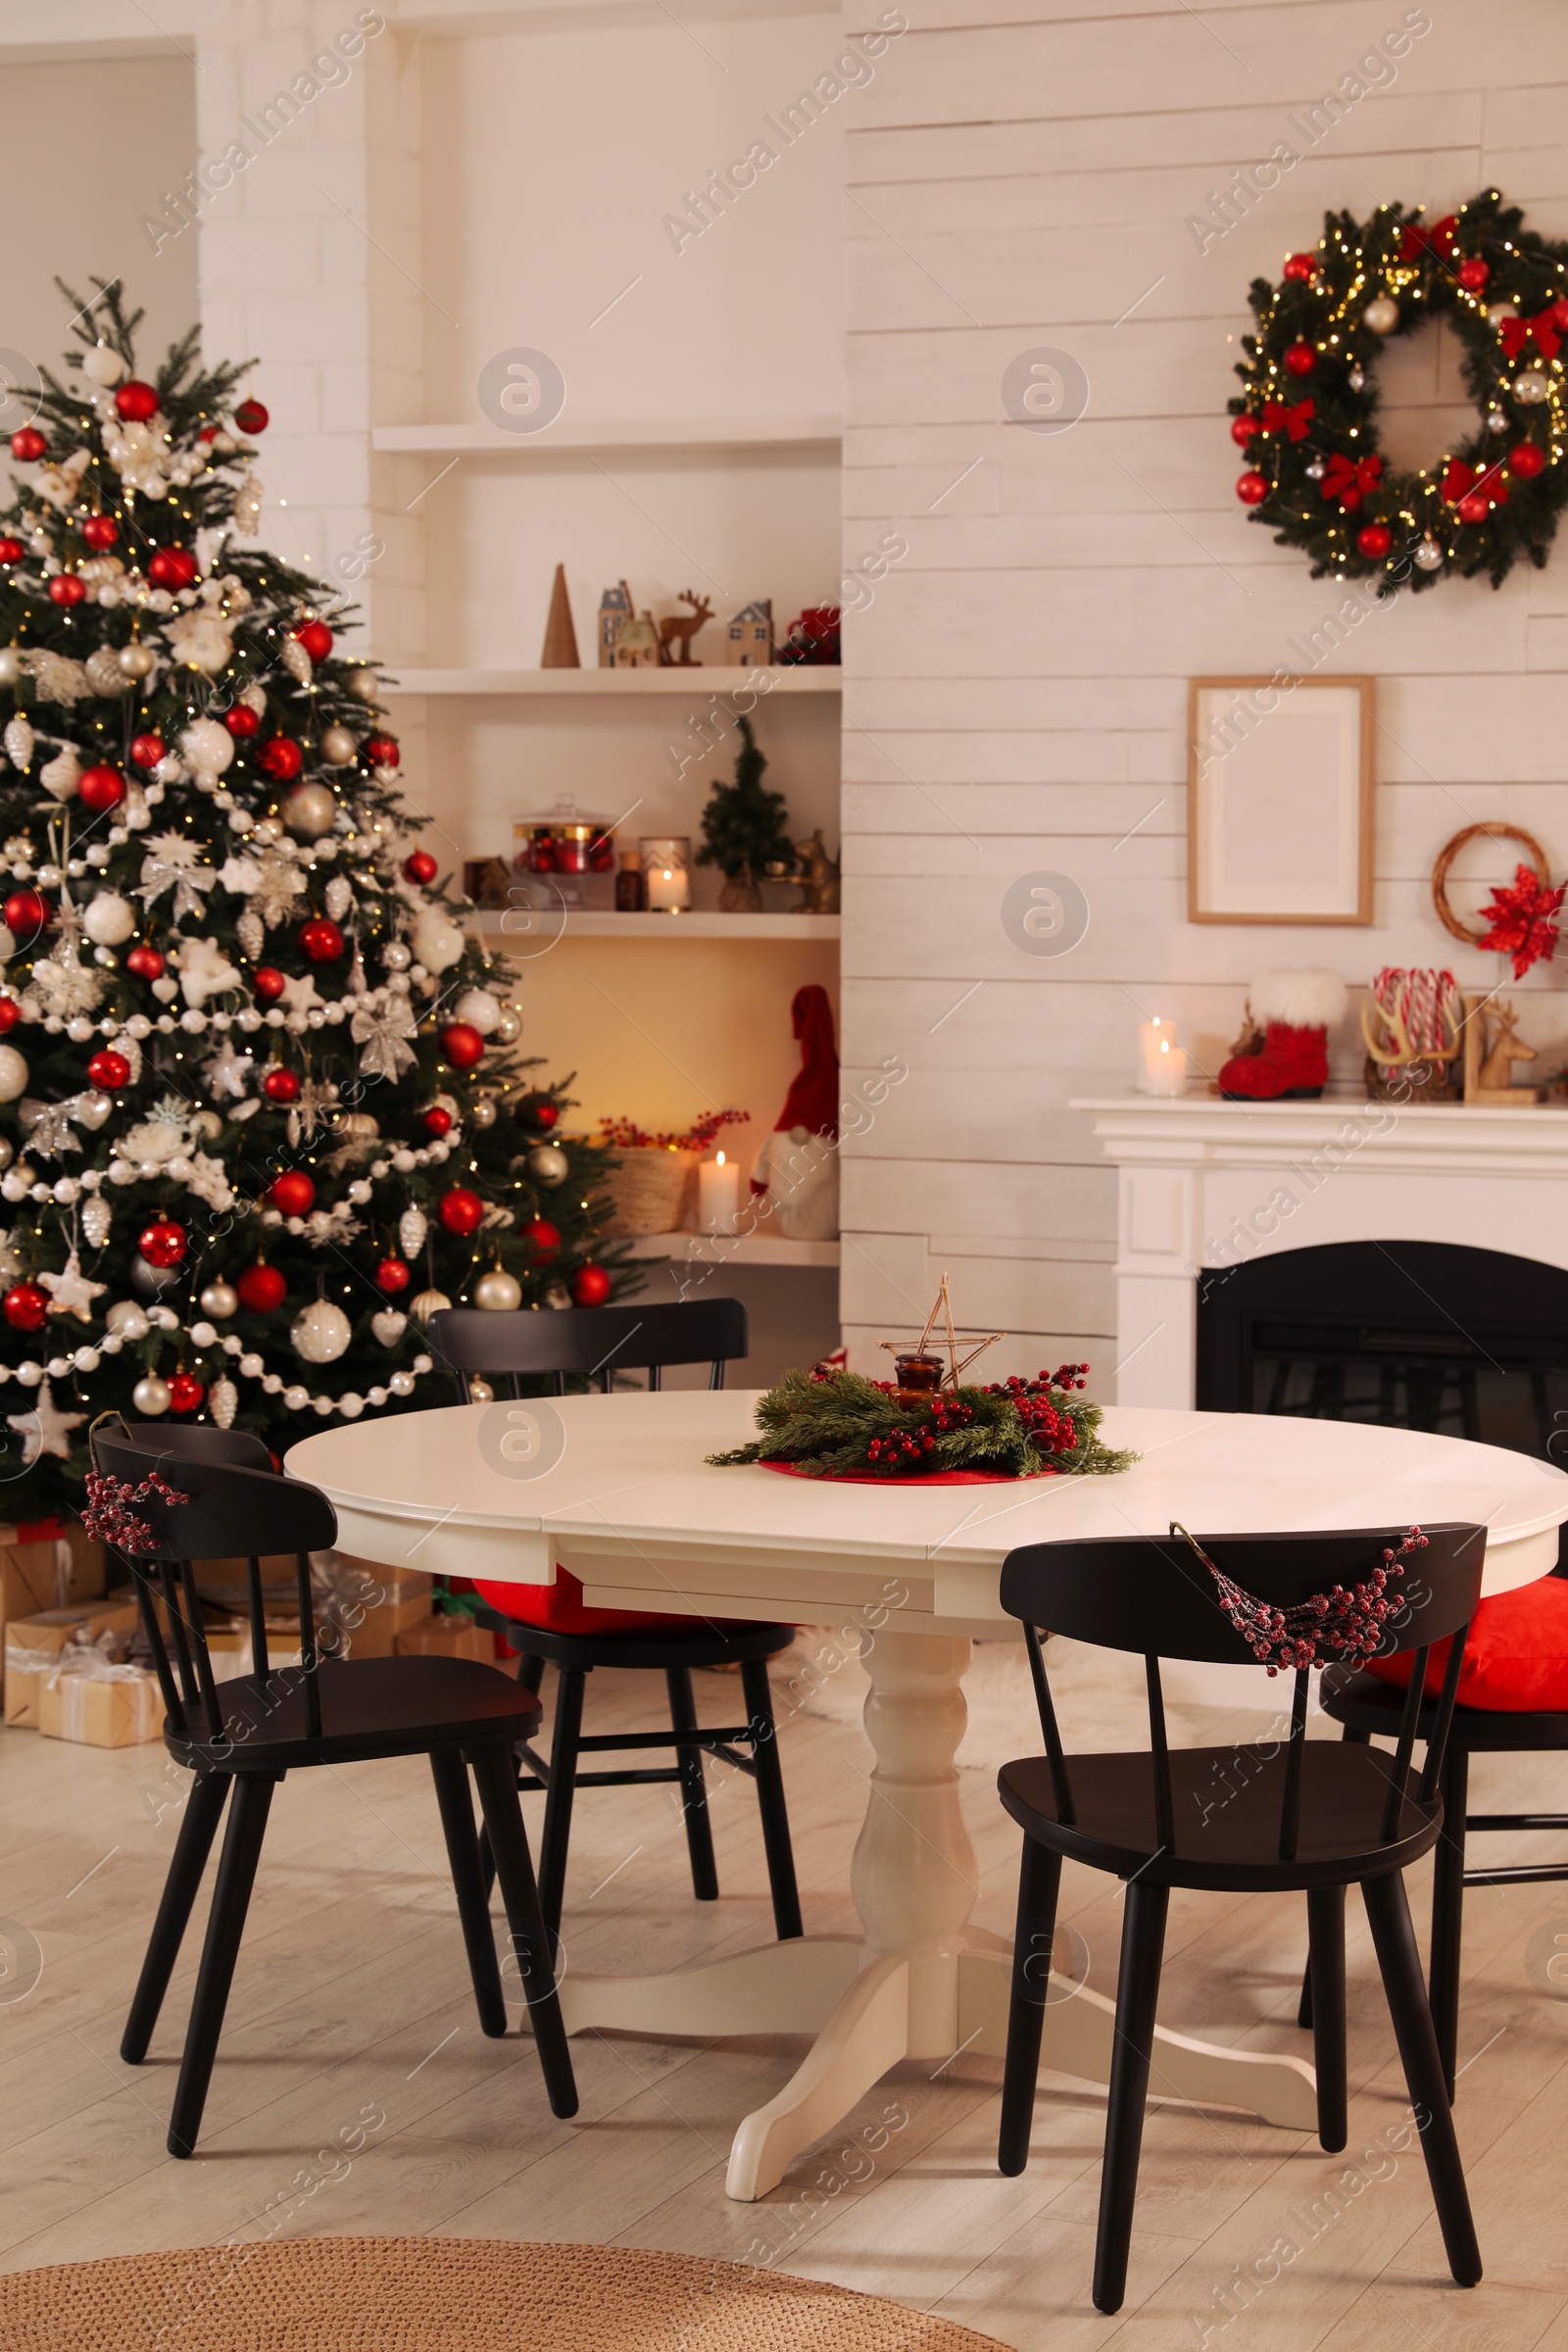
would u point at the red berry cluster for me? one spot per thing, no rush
(949, 1412)
(904, 1448)
(109, 1517)
(1348, 1623)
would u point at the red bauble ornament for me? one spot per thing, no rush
(241, 722)
(420, 866)
(292, 1192)
(66, 590)
(267, 983)
(590, 1287)
(1300, 267)
(1374, 539)
(461, 1211)
(392, 1276)
(1251, 488)
(382, 751)
(25, 915)
(1559, 312)
(29, 445)
(281, 759)
(27, 1306)
(173, 568)
(538, 1110)
(251, 416)
(262, 1289)
(146, 750)
(1474, 273)
(102, 788)
(109, 1071)
(1301, 359)
(540, 1240)
(437, 1121)
(1526, 461)
(10, 1014)
(163, 1243)
(317, 639)
(11, 550)
(136, 401)
(101, 531)
(462, 1046)
(185, 1393)
(320, 941)
(1245, 430)
(1473, 507)
(281, 1086)
(145, 962)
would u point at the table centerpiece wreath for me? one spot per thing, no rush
(1307, 419)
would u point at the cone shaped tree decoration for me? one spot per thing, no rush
(561, 638)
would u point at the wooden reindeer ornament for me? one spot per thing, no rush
(680, 628)
(1490, 1049)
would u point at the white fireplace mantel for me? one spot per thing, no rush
(1204, 1183)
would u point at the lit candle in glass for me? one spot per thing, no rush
(666, 864)
(717, 1195)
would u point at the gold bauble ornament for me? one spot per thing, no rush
(428, 1304)
(482, 1111)
(498, 1292)
(363, 686)
(337, 747)
(1381, 314)
(480, 1392)
(220, 1299)
(150, 1396)
(508, 1028)
(310, 810)
(136, 661)
(548, 1164)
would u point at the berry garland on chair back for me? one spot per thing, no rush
(251, 1059)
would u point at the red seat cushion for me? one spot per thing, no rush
(558, 1608)
(1515, 1660)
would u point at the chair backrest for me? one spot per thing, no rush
(592, 1343)
(231, 1506)
(1154, 1596)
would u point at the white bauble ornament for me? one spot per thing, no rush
(13, 1073)
(222, 1402)
(436, 942)
(480, 1392)
(96, 1218)
(150, 1396)
(1381, 314)
(150, 1279)
(136, 661)
(60, 775)
(102, 364)
(509, 1026)
(108, 919)
(428, 1304)
(206, 747)
(10, 666)
(1531, 388)
(220, 1299)
(479, 1008)
(389, 1326)
(310, 810)
(339, 897)
(126, 1320)
(337, 746)
(498, 1292)
(401, 1383)
(413, 1226)
(1429, 554)
(395, 956)
(548, 1164)
(362, 685)
(296, 1398)
(482, 1111)
(1357, 379)
(320, 1332)
(92, 1110)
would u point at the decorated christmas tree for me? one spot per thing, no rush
(744, 829)
(262, 1110)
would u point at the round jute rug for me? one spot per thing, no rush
(446, 2294)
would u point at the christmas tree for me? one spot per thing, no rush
(261, 1106)
(743, 829)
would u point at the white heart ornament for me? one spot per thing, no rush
(389, 1326)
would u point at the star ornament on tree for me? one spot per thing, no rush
(1521, 920)
(70, 1291)
(44, 1429)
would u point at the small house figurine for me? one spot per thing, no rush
(636, 643)
(615, 606)
(749, 636)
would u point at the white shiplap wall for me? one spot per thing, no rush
(1021, 177)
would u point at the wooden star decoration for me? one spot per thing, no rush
(957, 1365)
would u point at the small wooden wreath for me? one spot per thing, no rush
(1494, 831)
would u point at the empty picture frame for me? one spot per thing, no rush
(1279, 799)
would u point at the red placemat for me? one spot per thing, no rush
(919, 1478)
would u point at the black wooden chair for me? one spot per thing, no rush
(245, 1734)
(1310, 1816)
(593, 1344)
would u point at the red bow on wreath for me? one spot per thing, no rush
(1348, 482)
(1514, 333)
(1439, 238)
(1296, 420)
(1521, 917)
(1458, 479)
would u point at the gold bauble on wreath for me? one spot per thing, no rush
(1491, 829)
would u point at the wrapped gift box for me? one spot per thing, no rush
(32, 1647)
(87, 1699)
(447, 1637)
(51, 1564)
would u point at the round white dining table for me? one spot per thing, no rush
(617, 1490)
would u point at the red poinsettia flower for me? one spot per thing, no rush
(1521, 920)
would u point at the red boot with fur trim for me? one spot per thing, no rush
(1296, 1012)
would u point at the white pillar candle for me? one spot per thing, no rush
(668, 890)
(717, 1195)
(1156, 1040)
(1167, 1070)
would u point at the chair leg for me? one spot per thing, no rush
(530, 1671)
(1142, 1944)
(558, 1800)
(694, 1788)
(1038, 1882)
(203, 1809)
(770, 1800)
(225, 1925)
(456, 1802)
(1325, 1916)
(1401, 1964)
(1448, 1910)
(530, 1937)
(1303, 2011)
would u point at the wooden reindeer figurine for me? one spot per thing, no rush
(1489, 1061)
(681, 628)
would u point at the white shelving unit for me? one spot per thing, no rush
(737, 1249)
(692, 680)
(565, 440)
(499, 923)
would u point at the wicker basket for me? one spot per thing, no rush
(655, 1190)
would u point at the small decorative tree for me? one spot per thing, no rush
(745, 829)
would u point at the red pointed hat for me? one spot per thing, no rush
(812, 1101)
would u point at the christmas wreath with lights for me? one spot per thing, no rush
(1307, 419)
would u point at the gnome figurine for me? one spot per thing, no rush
(797, 1169)
(1284, 1050)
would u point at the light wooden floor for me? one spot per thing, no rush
(352, 2002)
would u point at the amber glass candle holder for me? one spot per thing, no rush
(920, 1377)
